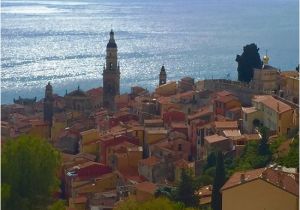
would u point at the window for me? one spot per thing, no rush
(179, 147)
(246, 117)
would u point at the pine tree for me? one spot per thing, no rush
(186, 190)
(247, 61)
(263, 148)
(219, 181)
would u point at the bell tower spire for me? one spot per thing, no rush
(162, 76)
(111, 73)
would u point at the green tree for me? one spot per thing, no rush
(29, 168)
(153, 204)
(211, 161)
(292, 158)
(249, 59)
(165, 191)
(58, 205)
(219, 181)
(263, 148)
(186, 188)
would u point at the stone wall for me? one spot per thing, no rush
(243, 91)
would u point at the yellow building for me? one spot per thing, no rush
(289, 85)
(266, 189)
(167, 89)
(154, 135)
(88, 141)
(59, 124)
(123, 156)
(275, 114)
(39, 129)
(265, 79)
(138, 132)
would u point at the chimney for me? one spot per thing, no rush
(264, 174)
(242, 178)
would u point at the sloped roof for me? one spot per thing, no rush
(146, 187)
(272, 103)
(226, 124)
(150, 161)
(282, 180)
(215, 138)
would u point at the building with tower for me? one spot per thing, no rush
(111, 74)
(265, 78)
(48, 106)
(162, 76)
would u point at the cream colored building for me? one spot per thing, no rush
(249, 115)
(274, 114)
(167, 89)
(289, 85)
(266, 189)
(265, 79)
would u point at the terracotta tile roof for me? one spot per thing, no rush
(178, 125)
(232, 133)
(201, 112)
(223, 93)
(226, 124)
(235, 179)
(235, 109)
(214, 138)
(146, 187)
(249, 110)
(285, 181)
(272, 103)
(150, 161)
(187, 95)
(81, 199)
(228, 98)
(164, 100)
(156, 130)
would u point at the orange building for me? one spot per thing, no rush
(145, 191)
(264, 188)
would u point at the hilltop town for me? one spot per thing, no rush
(116, 146)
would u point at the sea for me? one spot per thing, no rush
(64, 41)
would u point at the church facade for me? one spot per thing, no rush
(111, 74)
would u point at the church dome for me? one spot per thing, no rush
(266, 59)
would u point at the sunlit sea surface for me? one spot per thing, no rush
(64, 41)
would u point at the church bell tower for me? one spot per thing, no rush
(162, 76)
(48, 107)
(111, 74)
